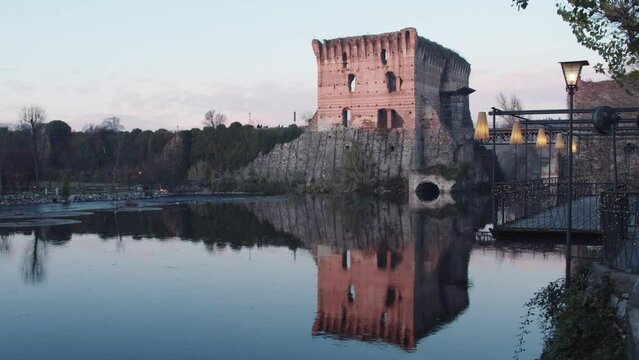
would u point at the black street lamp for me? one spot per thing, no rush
(572, 72)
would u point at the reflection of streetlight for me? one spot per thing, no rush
(572, 71)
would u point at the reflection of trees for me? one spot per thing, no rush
(33, 270)
(215, 224)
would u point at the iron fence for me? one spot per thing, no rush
(619, 211)
(540, 205)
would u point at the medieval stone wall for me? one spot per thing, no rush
(444, 121)
(318, 155)
(595, 156)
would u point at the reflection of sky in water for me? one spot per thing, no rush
(175, 299)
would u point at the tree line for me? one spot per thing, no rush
(37, 151)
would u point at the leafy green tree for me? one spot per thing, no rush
(609, 27)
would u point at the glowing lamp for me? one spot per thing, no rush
(572, 71)
(542, 141)
(515, 136)
(481, 129)
(574, 145)
(560, 143)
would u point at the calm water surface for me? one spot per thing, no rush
(296, 278)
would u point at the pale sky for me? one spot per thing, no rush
(164, 63)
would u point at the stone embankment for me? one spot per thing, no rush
(317, 155)
(34, 199)
(625, 301)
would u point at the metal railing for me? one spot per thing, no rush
(619, 211)
(540, 205)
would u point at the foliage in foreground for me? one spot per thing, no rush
(577, 323)
(611, 28)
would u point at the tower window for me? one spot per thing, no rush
(384, 56)
(391, 82)
(346, 117)
(344, 61)
(351, 82)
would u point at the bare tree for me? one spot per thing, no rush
(220, 119)
(209, 119)
(508, 103)
(213, 119)
(32, 118)
(112, 125)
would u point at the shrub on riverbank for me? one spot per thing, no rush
(577, 323)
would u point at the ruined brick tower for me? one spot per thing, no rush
(402, 100)
(401, 82)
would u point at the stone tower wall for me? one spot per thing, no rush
(444, 124)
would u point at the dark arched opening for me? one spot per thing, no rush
(391, 82)
(351, 82)
(384, 56)
(346, 117)
(344, 60)
(427, 191)
(382, 119)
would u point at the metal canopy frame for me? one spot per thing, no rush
(626, 129)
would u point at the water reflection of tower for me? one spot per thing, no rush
(396, 295)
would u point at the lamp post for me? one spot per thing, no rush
(572, 71)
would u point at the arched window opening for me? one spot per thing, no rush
(382, 119)
(396, 121)
(344, 61)
(346, 117)
(351, 294)
(391, 82)
(384, 56)
(390, 296)
(351, 82)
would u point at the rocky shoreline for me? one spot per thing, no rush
(36, 199)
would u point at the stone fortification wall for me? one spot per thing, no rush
(595, 156)
(445, 126)
(318, 155)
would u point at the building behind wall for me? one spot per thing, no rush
(594, 158)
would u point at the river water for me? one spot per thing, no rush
(269, 278)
